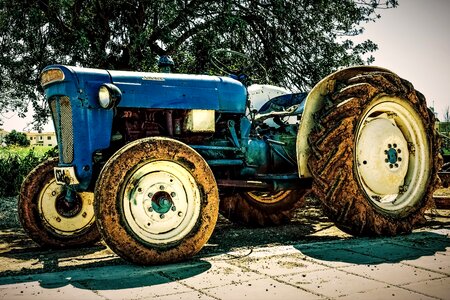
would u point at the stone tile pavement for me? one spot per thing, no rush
(415, 266)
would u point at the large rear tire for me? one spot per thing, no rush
(48, 218)
(375, 155)
(262, 208)
(157, 201)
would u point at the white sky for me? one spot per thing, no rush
(413, 40)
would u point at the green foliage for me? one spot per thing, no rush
(15, 164)
(297, 41)
(16, 138)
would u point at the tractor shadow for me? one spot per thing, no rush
(89, 268)
(373, 251)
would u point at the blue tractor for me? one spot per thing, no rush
(145, 157)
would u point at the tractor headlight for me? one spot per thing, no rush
(109, 95)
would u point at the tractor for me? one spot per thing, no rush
(147, 161)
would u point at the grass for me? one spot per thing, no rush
(23, 151)
(16, 163)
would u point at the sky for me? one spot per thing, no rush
(413, 41)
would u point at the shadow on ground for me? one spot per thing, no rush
(123, 276)
(377, 250)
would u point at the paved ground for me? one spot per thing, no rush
(312, 260)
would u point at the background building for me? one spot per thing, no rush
(42, 138)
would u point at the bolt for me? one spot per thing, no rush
(58, 219)
(161, 187)
(386, 160)
(395, 145)
(396, 165)
(389, 146)
(399, 159)
(53, 193)
(411, 148)
(391, 166)
(150, 209)
(174, 208)
(162, 216)
(180, 214)
(84, 215)
(139, 190)
(399, 151)
(173, 194)
(150, 195)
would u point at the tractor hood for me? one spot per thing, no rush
(179, 91)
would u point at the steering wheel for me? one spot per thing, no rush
(236, 64)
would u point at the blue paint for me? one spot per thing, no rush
(392, 155)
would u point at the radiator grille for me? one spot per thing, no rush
(65, 122)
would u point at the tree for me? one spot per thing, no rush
(16, 138)
(298, 42)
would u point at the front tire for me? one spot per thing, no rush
(374, 155)
(157, 201)
(46, 216)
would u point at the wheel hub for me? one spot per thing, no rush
(382, 154)
(68, 208)
(161, 202)
(66, 217)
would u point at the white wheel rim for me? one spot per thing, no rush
(175, 190)
(392, 154)
(59, 223)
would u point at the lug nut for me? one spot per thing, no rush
(399, 159)
(162, 216)
(395, 145)
(391, 166)
(161, 187)
(399, 151)
(150, 209)
(173, 194)
(58, 219)
(53, 193)
(389, 146)
(139, 190)
(396, 165)
(180, 214)
(174, 208)
(84, 215)
(150, 195)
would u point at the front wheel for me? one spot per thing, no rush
(157, 201)
(48, 218)
(375, 155)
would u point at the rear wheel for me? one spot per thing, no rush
(260, 208)
(375, 156)
(48, 218)
(157, 201)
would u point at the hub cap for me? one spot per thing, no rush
(161, 202)
(392, 159)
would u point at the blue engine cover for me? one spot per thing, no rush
(89, 129)
(180, 91)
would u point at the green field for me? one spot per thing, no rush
(23, 151)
